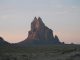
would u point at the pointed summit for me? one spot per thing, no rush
(40, 21)
(37, 24)
(35, 18)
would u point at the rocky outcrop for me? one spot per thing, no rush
(40, 34)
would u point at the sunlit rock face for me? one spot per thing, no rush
(40, 34)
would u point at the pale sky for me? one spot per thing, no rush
(62, 16)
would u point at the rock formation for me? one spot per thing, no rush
(40, 34)
(3, 42)
(39, 31)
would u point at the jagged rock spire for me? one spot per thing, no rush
(37, 24)
(33, 24)
(40, 34)
(56, 38)
(40, 21)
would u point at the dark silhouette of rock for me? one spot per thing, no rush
(3, 42)
(40, 34)
(56, 38)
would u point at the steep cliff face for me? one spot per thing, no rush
(40, 34)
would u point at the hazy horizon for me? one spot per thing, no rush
(62, 16)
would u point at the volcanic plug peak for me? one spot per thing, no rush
(40, 34)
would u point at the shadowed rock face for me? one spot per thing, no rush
(40, 34)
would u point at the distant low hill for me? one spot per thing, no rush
(3, 42)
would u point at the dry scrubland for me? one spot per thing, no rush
(50, 52)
